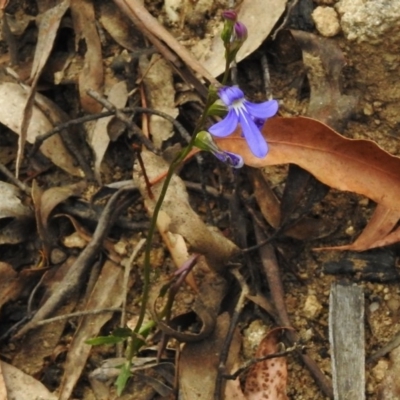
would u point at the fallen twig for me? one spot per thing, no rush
(40, 139)
(245, 367)
(175, 52)
(123, 118)
(77, 314)
(9, 175)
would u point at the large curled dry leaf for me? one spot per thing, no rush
(359, 166)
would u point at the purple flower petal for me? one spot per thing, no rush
(232, 159)
(264, 110)
(252, 134)
(251, 117)
(231, 15)
(226, 126)
(240, 31)
(230, 94)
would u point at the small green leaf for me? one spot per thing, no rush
(217, 109)
(104, 340)
(123, 377)
(122, 332)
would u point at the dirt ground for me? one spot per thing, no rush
(365, 83)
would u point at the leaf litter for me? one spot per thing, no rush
(349, 165)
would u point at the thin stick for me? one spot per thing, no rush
(257, 360)
(86, 258)
(40, 139)
(78, 314)
(392, 344)
(122, 117)
(9, 175)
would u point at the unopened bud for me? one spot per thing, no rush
(229, 15)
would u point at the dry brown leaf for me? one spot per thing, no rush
(92, 75)
(49, 23)
(267, 201)
(11, 205)
(106, 293)
(159, 84)
(3, 389)
(376, 233)
(99, 138)
(17, 223)
(359, 166)
(52, 197)
(182, 219)
(45, 202)
(206, 307)
(13, 98)
(198, 364)
(118, 25)
(324, 62)
(266, 380)
(13, 284)
(259, 16)
(22, 386)
(8, 276)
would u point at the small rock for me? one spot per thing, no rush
(252, 337)
(393, 304)
(120, 248)
(312, 307)
(379, 371)
(368, 109)
(57, 256)
(326, 21)
(373, 21)
(74, 240)
(374, 307)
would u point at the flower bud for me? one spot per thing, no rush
(240, 31)
(229, 15)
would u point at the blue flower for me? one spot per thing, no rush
(250, 116)
(204, 142)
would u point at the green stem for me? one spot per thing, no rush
(227, 69)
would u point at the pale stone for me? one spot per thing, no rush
(326, 21)
(312, 307)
